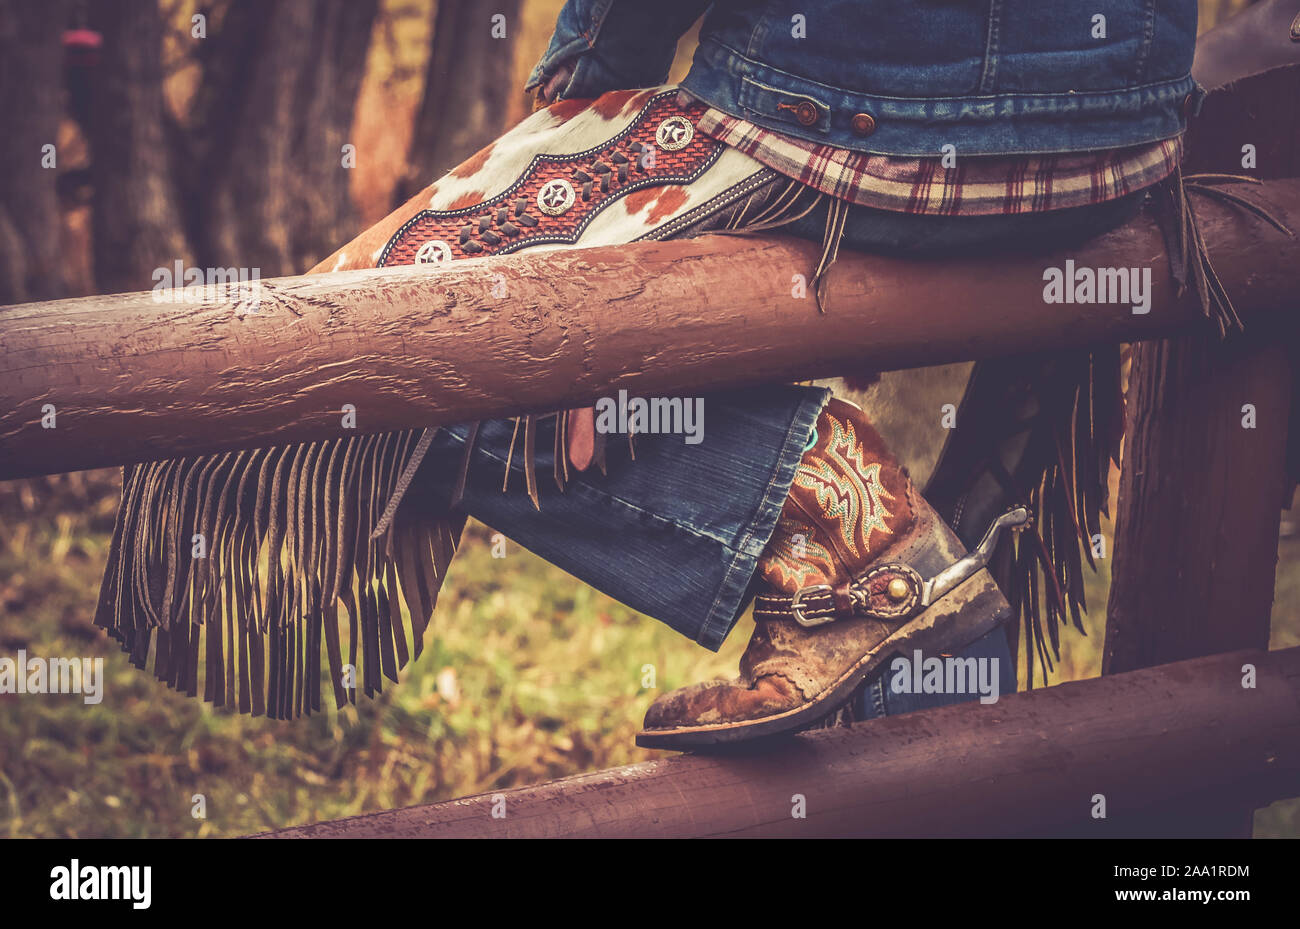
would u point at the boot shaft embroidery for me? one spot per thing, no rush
(847, 488)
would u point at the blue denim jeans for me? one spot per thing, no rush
(677, 531)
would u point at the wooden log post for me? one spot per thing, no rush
(1031, 764)
(1201, 492)
(130, 378)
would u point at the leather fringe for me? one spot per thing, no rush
(1081, 424)
(1189, 259)
(245, 558)
(792, 202)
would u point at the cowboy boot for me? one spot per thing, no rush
(859, 568)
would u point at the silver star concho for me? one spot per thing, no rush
(433, 252)
(555, 197)
(674, 133)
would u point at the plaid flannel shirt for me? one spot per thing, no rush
(972, 186)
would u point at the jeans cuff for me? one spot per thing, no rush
(733, 592)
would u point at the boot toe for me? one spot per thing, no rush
(720, 702)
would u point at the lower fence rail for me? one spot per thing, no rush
(1101, 757)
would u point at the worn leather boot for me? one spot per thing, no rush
(858, 569)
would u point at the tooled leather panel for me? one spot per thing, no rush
(599, 177)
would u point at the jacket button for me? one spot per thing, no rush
(806, 113)
(863, 124)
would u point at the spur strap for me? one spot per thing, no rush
(889, 592)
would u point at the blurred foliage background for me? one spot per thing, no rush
(527, 674)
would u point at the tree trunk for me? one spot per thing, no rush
(467, 85)
(136, 221)
(280, 82)
(31, 57)
(327, 95)
(246, 123)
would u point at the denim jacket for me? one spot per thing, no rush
(905, 77)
